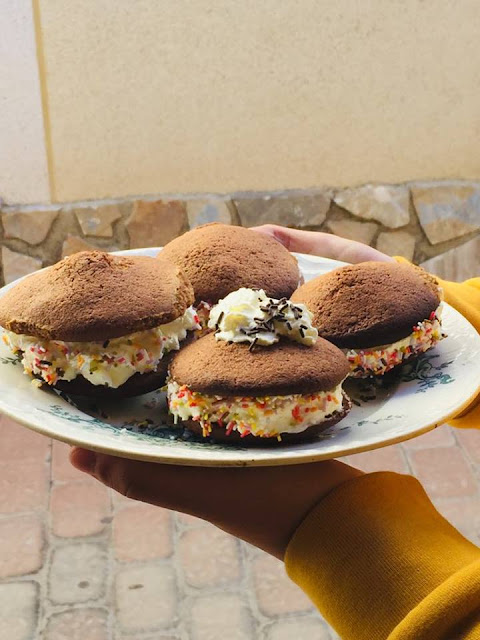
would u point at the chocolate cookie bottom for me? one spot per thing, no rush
(137, 385)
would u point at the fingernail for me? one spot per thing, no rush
(83, 459)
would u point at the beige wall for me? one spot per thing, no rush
(152, 96)
(23, 159)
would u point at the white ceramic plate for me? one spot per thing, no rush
(437, 386)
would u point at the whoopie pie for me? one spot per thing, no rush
(99, 325)
(380, 313)
(262, 377)
(219, 258)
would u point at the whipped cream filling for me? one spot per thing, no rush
(249, 315)
(264, 417)
(109, 363)
(378, 360)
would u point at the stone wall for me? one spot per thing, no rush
(436, 224)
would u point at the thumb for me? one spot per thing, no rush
(322, 244)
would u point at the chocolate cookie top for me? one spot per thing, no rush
(219, 258)
(93, 295)
(216, 367)
(369, 304)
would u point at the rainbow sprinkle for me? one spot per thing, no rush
(377, 361)
(264, 417)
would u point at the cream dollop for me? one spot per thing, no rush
(249, 315)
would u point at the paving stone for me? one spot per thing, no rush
(142, 532)
(463, 513)
(276, 594)
(209, 557)
(147, 637)
(458, 264)
(77, 573)
(146, 597)
(16, 265)
(97, 221)
(21, 549)
(23, 487)
(397, 243)
(74, 244)
(447, 211)
(120, 501)
(154, 223)
(388, 205)
(187, 520)
(220, 617)
(470, 442)
(384, 459)
(301, 628)
(440, 437)
(19, 443)
(79, 508)
(353, 230)
(205, 211)
(62, 470)
(287, 210)
(30, 226)
(19, 610)
(78, 624)
(443, 472)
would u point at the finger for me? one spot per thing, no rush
(322, 244)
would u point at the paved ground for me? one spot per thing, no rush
(78, 562)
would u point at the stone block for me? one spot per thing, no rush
(220, 617)
(388, 205)
(77, 573)
(16, 265)
(353, 230)
(97, 221)
(458, 264)
(78, 624)
(24, 487)
(287, 210)
(300, 627)
(444, 472)
(276, 594)
(30, 226)
(397, 243)
(154, 223)
(463, 514)
(146, 597)
(79, 508)
(21, 551)
(19, 444)
(142, 532)
(19, 607)
(440, 437)
(204, 211)
(447, 211)
(209, 557)
(384, 459)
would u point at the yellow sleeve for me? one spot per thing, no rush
(465, 297)
(380, 562)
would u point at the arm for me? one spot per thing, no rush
(465, 297)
